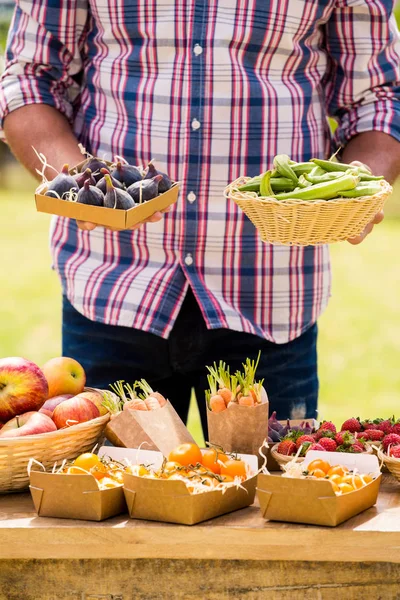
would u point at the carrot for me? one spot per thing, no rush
(135, 404)
(217, 403)
(226, 394)
(162, 401)
(246, 401)
(152, 403)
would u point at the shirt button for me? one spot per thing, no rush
(197, 49)
(191, 197)
(188, 260)
(196, 124)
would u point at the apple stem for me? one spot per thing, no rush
(2, 386)
(17, 417)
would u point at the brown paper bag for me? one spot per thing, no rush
(239, 428)
(160, 429)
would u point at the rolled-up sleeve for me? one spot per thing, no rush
(363, 79)
(44, 56)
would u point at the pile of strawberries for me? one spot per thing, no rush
(352, 437)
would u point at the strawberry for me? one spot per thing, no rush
(327, 426)
(395, 451)
(317, 447)
(396, 428)
(386, 426)
(374, 435)
(391, 440)
(351, 425)
(368, 425)
(303, 439)
(344, 438)
(357, 447)
(328, 444)
(287, 447)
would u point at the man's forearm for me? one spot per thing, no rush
(48, 131)
(380, 151)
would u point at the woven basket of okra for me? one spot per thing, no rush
(307, 223)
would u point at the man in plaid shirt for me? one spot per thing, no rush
(210, 90)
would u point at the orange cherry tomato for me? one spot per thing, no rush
(318, 473)
(318, 463)
(335, 486)
(234, 468)
(226, 478)
(210, 460)
(345, 488)
(338, 470)
(353, 480)
(186, 454)
(171, 466)
(335, 477)
(87, 461)
(367, 478)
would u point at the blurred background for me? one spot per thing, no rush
(359, 342)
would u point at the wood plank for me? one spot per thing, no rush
(196, 580)
(241, 535)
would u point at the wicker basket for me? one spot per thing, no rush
(392, 464)
(47, 448)
(307, 223)
(282, 459)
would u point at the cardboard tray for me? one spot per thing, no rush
(118, 219)
(272, 465)
(314, 502)
(170, 501)
(74, 497)
(160, 429)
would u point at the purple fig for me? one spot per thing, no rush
(147, 189)
(116, 198)
(127, 174)
(101, 184)
(94, 164)
(90, 194)
(80, 178)
(165, 182)
(62, 183)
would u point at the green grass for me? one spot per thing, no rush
(359, 345)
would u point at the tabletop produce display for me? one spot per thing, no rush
(114, 194)
(310, 203)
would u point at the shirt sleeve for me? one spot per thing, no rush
(363, 79)
(44, 56)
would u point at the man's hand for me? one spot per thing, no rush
(375, 221)
(157, 216)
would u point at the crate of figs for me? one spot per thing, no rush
(117, 195)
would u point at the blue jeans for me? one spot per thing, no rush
(176, 365)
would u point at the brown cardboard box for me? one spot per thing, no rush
(314, 502)
(119, 219)
(239, 428)
(170, 501)
(160, 429)
(74, 497)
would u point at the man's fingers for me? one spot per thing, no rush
(379, 218)
(154, 218)
(86, 226)
(168, 209)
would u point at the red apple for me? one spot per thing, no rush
(64, 376)
(30, 423)
(51, 403)
(23, 387)
(73, 411)
(44, 411)
(96, 397)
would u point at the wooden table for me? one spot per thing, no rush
(235, 556)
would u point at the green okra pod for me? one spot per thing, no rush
(322, 178)
(330, 165)
(317, 172)
(301, 168)
(281, 164)
(304, 181)
(323, 191)
(367, 177)
(265, 185)
(362, 190)
(278, 184)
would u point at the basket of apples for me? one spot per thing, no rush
(296, 442)
(45, 414)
